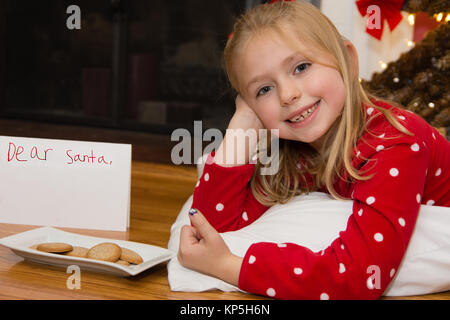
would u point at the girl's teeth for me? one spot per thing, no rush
(304, 114)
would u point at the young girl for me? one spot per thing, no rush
(294, 72)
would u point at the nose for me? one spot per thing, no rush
(289, 93)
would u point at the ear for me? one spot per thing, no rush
(354, 57)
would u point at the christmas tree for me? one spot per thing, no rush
(420, 78)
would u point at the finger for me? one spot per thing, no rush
(197, 234)
(198, 220)
(188, 235)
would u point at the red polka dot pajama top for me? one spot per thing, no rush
(409, 171)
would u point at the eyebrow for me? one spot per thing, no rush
(285, 62)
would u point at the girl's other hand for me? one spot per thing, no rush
(244, 117)
(203, 249)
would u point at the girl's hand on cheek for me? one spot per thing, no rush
(203, 249)
(245, 116)
(238, 146)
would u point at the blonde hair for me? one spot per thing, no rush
(315, 29)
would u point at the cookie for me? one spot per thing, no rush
(34, 246)
(105, 251)
(54, 247)
(77, 252)
(123, 262)
(130, 256)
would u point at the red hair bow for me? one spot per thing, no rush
(389, 10)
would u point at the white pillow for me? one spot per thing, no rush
(314, 221)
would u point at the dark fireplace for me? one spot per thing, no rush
(144, 65)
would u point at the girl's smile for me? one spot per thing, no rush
(303, 116)
(289, 92)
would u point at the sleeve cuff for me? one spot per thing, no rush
(249, 258)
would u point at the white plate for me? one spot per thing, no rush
(20, 243)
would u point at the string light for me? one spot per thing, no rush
(439, 16)
(409, 43)
(383, 65)
(447, 19)
(411, 19)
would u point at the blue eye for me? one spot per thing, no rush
(263, 91)
(302, 67)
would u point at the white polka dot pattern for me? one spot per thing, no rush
(415, 147)
(298, 271)
(392, 273)
(393, 172)
(324, 296)
(378, 237)
(271, 292)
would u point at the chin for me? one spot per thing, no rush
(300, 139)
(309, 137)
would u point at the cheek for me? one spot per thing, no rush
(327, 83)
(269, 114)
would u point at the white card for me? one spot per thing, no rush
(65, 183)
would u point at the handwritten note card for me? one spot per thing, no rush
(65, 183)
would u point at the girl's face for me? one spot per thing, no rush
(289, 92)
